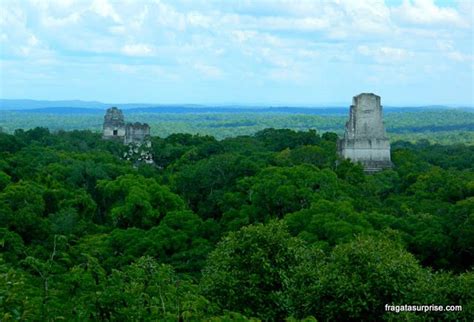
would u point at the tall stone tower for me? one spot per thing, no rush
(114, 125)
(364, 139)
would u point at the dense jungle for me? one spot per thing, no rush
(266, 226)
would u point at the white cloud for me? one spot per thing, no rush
(118, 29)
(33, 41)
(59, 4)
(426, 12)
(140, 50)
(167, 16)
(243, 35)
(385, 54)
(104, 9)
(123, 68)
(285, 40)
(286, 74)
(447, 47)
(299, 24)
(12, 17)
(460, 57)
(276, 58)
(208, 71)
(50, 21)
(145, 72)
(197, 19)
(366, 17)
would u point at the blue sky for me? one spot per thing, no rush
(238, 52)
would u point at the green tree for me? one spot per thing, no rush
(5, 179)
(19, 297)
(360, 277)
(22, 208)
(250, 271)
(331, 222)
(146, 290)
(276, 191)
(279, 139)
(135, 201)
(202, 184)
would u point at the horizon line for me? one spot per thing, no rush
(228, 104)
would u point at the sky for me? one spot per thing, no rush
(275, 52)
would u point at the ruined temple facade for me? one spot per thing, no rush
(365, 140)
(136, 132)
(115, 128)
(114, 124)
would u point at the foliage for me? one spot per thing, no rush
(135, 201)
(442, 125)
(362, 276)
(251, 271)
(269, 225)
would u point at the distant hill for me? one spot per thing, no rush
(92, 107)
(13, 104)
(339, 111)
(60, 110)
(20, 104)
(188, 110)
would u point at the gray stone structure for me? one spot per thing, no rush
(115, 128)
(114, 125)
(365, 140)
(136, 132)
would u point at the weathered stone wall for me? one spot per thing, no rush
(114, 124)
(136, 132)
(114, 133)
(365, 118)
(135, 135)
(364, 139)
(115, 128)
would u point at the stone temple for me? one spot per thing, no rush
(365, 140)
(115, 128)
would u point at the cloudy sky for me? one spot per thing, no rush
(238, 52)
